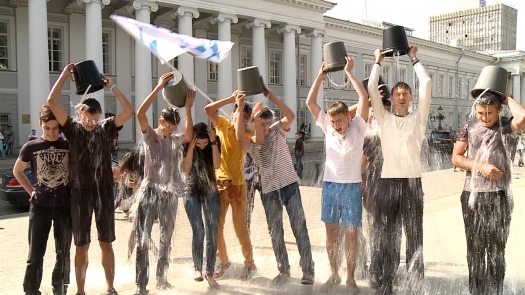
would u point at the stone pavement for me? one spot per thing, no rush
(444, 250)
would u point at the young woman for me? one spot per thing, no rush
(201, 158)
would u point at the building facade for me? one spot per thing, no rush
(480, 28)
(283, 38)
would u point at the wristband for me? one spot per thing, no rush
(213, 143)
(414, 58)
(414, 63)
(378, 64)
(112, 87)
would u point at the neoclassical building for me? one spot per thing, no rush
(284, 38)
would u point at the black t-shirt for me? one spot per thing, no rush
(50, 170)
(299, 147)
(374, 155)
(90, 165)
(201, 180)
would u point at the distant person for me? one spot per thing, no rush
(486, 200)
(9, 140)
(32, 136)
(520, 150)
(2, 146)
(50, 198)
(299, 153)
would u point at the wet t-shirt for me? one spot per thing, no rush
(50, 171)
(162, 160)
(494, 145)
(201, 179)
(90, 164)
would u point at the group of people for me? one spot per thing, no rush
(6, 142)
(372, 162)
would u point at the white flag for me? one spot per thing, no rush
(167, 45)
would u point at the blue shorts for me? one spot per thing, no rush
(342, 202)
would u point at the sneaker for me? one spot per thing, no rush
(247, 272)
(141, 290)
(112, 291)
(308, 277)
(163, 284)
(221, 268)
(197, 276)
(282, 278)
(352, 288)
(332, 282)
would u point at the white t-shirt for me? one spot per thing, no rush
(343, 152)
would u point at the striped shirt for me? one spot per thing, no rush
(274, 160)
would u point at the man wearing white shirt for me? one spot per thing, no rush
(400, 193)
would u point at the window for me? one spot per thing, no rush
(467, 91)
(4, 121)
(106, 53)
(326, 82)
(213, 71)
(451, 87)
(4, 46)
(368, 70)
(431, 84)
(461, 88)
(440, 85)
(416, 85)
(54, 48)
(386, 72)
(402, 74)
(275, 68)
(302, 70)
(348, 84)
(246, 57)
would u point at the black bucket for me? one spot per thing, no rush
(381, 85)
(250, 81)
(334, 56)
(175, 90)
(395, 41)
(494, 78)
(86, 73)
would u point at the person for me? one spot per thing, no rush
(299, 153)
(341, 204)
(486, 200)
(232, 186)
(9, 139)
(253, 183)
(400, 194)
(201, 158)
(114, 150)
(49, 197)
(158, 195)
(279, 182)
(91, 175)
(32, 136)
(2, 146)
(520, 150)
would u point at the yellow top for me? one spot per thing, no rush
(232, 155)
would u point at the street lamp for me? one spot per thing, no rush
(440, 117)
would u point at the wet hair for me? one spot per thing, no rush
(46, 114)
(91, 105)
(201, 131)
(266, 113)
(401, 85)
(337, 108)
(133, 162)
(387, 103)
(247, 109)
(489, 98)
(171, 115)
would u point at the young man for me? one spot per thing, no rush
(9, 139)
(91, 175)
(342, 195)
(400, 193)
(232, 186)
(32, 136)
(279, 183)
(49, 197)
(162, 184)
(486, 200)
(299, 153)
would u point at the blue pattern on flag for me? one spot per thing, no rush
(153, 46)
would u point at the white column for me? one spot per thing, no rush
(522, 101)
(143, 85)
(289, 72)
(164, 21)
(185, 61)
(77, 44)
(224, 21)
(201, 79)
(235, 54)
(22, 66)
(516, 84)
(316, 53)
(94, 39)
(259, 48)
(38, 59)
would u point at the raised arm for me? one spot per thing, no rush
(517, 111)
(211, 109)
(375, 96)
(127, 108)
(288, 116)
(141, 112)
(187, 162)
(240, 128)
(311, 100)
(214, 148)
(188, 131)
(258, 137)
(54, 95)
(425, 84)
(362, 105)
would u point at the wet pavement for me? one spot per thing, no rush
(444, 249)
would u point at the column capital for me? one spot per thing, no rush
(224, 17)
(186, 11)
(143, 4)
(18, 3)
(164, 22)
(102, 3)
(289, 29)
(316, 33)
(258, 22)
(75, 7)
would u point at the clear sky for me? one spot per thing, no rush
(414, 13)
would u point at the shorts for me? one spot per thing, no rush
(83, 202)
(342, 202)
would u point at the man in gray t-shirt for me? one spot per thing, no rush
(486, 199)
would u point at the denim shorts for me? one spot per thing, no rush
(342, 202)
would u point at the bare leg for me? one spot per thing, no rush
(332, 248)
(81, 265)
(351, 246)
(108, 263)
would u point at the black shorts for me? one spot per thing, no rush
(83, 202)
